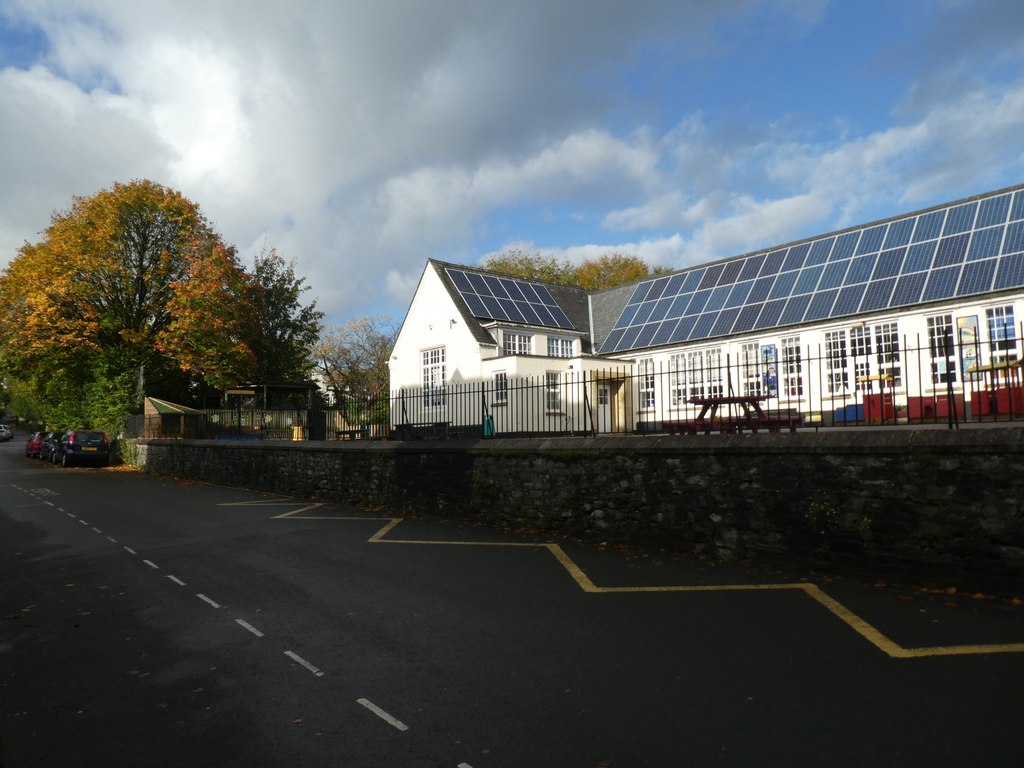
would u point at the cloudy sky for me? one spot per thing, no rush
(361, 138)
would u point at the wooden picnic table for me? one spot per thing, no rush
(741, 412)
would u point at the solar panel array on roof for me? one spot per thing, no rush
(952, 252)
(492, 297)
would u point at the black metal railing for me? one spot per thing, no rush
(849, 381)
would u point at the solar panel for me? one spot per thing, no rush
(899, 233)
(889, 263)
(920, 256)
(821, 305)
(960, 219)
(820, 251)
(860, 269)
(993, 211)
(977, 277)
(985, 243)
(908, 289)
(1014, 242)
(848, 301)
(941, 283)
(929, 226)
(760, 290)
(795, 308)
(711, 277)
(783, 285)
(878, 294)
(1010, 271)
(494, 297)
(951, 251)
(871, 240)
(772, 263)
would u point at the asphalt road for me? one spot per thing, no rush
(148, 622)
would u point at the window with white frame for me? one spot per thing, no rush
(837, 374)
(433, 377)
(645, 369)
(716, 376)
(677, 379)
(860, 354)
(792, 367)
(553, 391)
(559, 347)
(516, 343)
(500, 387)
(1001, 334)
(942, 349)
(750, 370)
(887, 350)
(695, 373)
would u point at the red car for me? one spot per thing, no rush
(33, 445)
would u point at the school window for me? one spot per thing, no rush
(887, 349)
(501, 387)
(646, 369)
(716, 376)
(433, 377)
(516, 343)
(792, 367)
(559, 347)
(942, 349)
(1001, 334)
(838, 377)
(751, 369)
(860, 352)
(695, 368)
(552, 391)
(677, 379)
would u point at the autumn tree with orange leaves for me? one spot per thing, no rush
(130, 291)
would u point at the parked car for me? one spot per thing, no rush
(5, 433)
(83, 446)
(49, 446)
(33, 444)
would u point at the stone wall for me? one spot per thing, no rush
(946, 503)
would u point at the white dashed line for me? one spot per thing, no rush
(205, 599)
(299, 660)
(249, 627)
(382, 714)
(130, 551)
(111, 539)
(70, 515)
(152, 565)
(176, 580)
(463, 765)
(82, 521)
(97, 529)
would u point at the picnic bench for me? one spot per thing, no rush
(742, 412)
(359, 433)
(422, 430)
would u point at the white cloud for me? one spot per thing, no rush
(362, 138)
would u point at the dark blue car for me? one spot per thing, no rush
(83, 446)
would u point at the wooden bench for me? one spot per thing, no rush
(420, 430)
(360, 433)
(728, 425)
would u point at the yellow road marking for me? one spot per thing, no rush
(837, 609)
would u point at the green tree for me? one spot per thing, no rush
(131, 291)
(284, 331)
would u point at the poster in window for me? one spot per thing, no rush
(969, 343)
(770, 370)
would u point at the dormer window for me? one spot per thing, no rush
(516, 343)
(559, 347)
